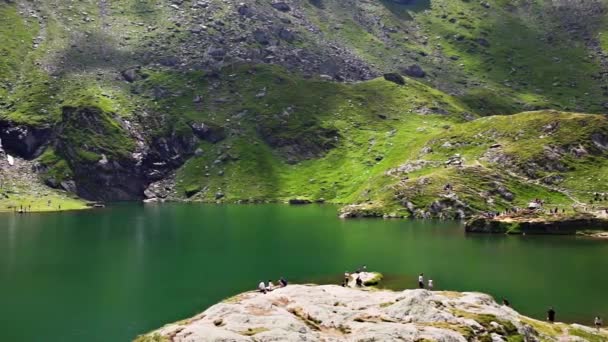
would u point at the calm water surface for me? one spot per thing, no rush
(111, 274)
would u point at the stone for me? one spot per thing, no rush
(69, 186)
(414, 71)
(395, 78)
(299, 201)
(130, 75)
(261, 37)
(281, 6)
(208, 132)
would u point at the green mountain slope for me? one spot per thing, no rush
(271, 101)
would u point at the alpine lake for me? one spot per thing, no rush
(114, 273)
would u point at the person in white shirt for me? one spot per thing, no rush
(421, 280)
(262, 287)
(598, 322)
(430, 286)
(270, 286)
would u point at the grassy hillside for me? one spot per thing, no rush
(497, 163)
(293, 137)
(499, 56)
(123, 86)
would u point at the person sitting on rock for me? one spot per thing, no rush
(421, 280)
(270, 286)
(359, 281)
(282, 282)
(505, 302)
(262, 287)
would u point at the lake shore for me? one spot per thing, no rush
(336, 313)
(588, 224)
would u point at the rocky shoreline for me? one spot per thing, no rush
(546, 225)
(335, 313)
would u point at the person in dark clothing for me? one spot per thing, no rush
(282, 282)
(505, 302)
(551, 315)
(359, 282)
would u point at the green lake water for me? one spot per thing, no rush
(111, 274)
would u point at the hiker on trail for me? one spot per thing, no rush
(270, 286)
(430, 285)
(551, 315)
(262, 287)
(598, 322)
(421, 280)
(282, 282)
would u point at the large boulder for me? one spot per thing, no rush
(208, 132)
(414, 70)
(281, 6)
(395, 78)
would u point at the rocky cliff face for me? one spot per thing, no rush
(333, 313)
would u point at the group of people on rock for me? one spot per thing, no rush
(358, 280)
(597, 321)
(264, 288)
(429, 285)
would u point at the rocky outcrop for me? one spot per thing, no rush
(24, 140)
(536, 225)
(208, 132)
(334, 313)
(295, 146)
(109, 158)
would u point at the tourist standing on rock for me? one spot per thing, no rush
(598, 322)
(430, 285)
(421, 280)
(551, 315)
(262, 287)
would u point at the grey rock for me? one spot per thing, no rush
(414, 71)
(395, 78)
(281, 6)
